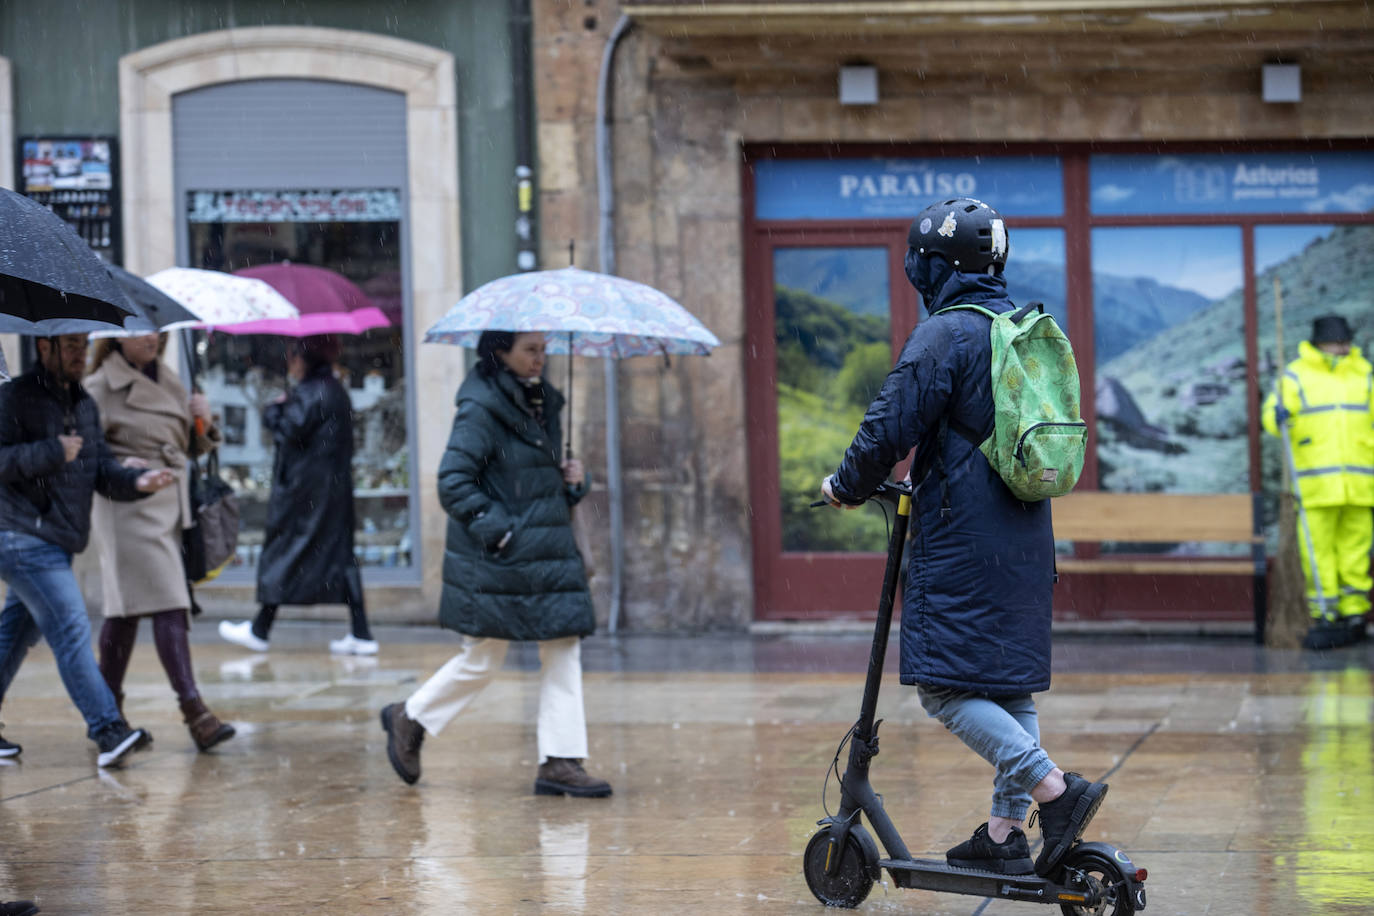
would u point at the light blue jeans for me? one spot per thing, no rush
(45, 600)
(1005, 732)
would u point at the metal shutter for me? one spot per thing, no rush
(286, 134)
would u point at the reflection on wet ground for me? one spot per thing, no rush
(1244, 781)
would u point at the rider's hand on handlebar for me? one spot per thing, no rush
(830, 497)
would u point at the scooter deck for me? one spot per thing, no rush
(935, 875)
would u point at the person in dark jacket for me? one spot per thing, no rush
(53, 459)
(511, 566)
(975, 637)
(307, 553)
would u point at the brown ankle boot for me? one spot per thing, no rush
(206, 730)
(565, 776)
(403, 739)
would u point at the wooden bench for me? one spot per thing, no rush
(1235, 518)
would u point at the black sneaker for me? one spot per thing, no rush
(1063, 820)
(117, 741)
(1009, 858)
(19, 908)
(9, 748)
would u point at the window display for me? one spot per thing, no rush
(358, 235)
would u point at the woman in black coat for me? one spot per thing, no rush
(512, 570)
(307, 553)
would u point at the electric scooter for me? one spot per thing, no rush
(842, 860)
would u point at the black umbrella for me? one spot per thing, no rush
(51, 282)
(161, 309)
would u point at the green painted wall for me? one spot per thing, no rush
(64, 57)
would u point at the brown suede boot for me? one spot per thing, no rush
(206, 730)
(565, 776)
(403, 739)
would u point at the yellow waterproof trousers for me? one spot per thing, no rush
(1341, 539)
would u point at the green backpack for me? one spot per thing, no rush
(1039, 440)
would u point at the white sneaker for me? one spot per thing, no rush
(241, 634)
(352, 645)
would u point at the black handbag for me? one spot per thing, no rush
(212, 540)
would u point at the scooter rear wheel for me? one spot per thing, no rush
(853, 878)
(1104, 874)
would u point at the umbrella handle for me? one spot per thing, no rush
(567, 450)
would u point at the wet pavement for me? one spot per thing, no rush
(1242, 778)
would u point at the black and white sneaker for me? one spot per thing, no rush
(118, 741)
(9, 748)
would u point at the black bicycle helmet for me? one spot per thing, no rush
(968, 233)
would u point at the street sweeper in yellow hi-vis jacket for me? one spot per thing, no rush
(1324, 408)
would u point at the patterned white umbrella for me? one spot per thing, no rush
(589, 313)
(581, 312)
(218, 298)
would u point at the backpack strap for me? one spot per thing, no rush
(1026, 310)
(943, 435)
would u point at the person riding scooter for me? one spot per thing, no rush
(975, 638)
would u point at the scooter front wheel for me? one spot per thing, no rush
(853, 876)
(1104, 876)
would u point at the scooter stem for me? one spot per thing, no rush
(883, 626)
(856, 792)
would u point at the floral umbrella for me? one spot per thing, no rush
(219, 299)
(585, 313)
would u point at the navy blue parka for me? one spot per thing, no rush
(977, 605)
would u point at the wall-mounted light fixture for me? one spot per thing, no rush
(858, 84)
(1282, 83)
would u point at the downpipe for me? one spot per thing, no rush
(606, 248)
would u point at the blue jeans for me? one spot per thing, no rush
(1005, 732)
(45, 600)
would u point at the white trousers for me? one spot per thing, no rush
(562, 726)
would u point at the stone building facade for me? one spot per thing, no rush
(702, 88)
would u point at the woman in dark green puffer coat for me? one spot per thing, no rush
(512, 570)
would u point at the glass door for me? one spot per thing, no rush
(833, 308)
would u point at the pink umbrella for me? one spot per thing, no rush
(329, 302)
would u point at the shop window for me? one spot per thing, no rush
(1169, 338)
(833, 335)
(242, 374)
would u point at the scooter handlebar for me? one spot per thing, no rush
(887, 492)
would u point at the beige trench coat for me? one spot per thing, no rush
(139, 543)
